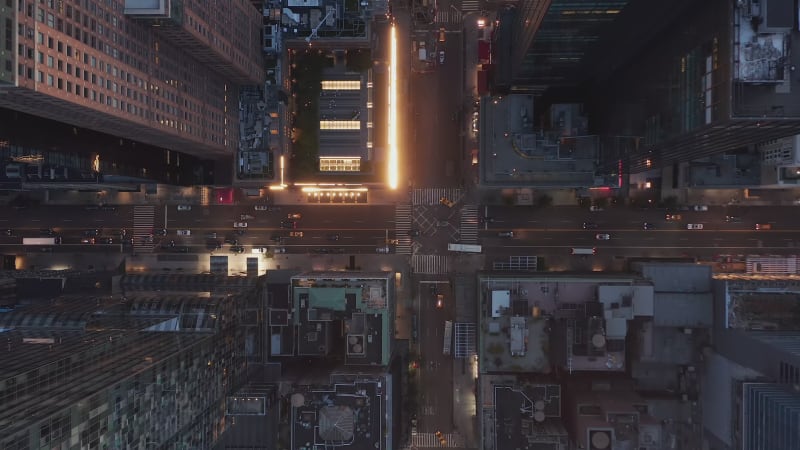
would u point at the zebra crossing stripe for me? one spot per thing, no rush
(143, 217)
(402, 220)
(430, 440)
(430, 264)
(468, 227)
(470, 5)
(433, 196)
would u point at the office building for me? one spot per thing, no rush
(544, 43)
(718, 79)
(161, 73)
(121, 372)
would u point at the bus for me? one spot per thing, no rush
(583, 251)
(464, 248)
(41, 241)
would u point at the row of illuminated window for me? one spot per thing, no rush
(339, 124)
(213, 125)
(341, 85)
(340, 164)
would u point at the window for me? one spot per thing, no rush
(60, 65)
(50, 80)
(49, 42)
(61, 83)
(60, 47)
(40, 38)
(69, 50)
(49, 61)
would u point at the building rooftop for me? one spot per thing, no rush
(528, 417)
(514, 152)
(762, 305)
(336, 315)
(351, 414)
(531, 323)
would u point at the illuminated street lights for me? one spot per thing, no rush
(393, 168)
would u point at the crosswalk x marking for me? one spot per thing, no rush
(143, 217)
(430, 440)
(470, 5)
(402, 223)
(432, 196)
(430, 264)
(469, 224)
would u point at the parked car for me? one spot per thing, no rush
(260, 250)
(239, 224)
(505, 234)
(184, 232)
(694, 226)
(602, 237)
(184, 207)
(279, 250)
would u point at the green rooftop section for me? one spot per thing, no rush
(331, 298)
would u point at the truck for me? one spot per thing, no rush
(41, 240)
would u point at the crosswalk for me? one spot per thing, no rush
(432, 196)
(143, 217)
(469, 224)
(430, 264)
(470, 5)
(402, 224)
(430, 440)
(448, 16)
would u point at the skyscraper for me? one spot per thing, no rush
(163, 73)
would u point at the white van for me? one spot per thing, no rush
(184, 232)
(583, 251)
(384, 249)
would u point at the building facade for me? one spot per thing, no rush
(167, 76)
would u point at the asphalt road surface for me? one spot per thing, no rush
(330, 229)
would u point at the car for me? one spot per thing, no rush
(279, 250)
(91, 233)
(446, 202)
(333, 237)
(589, 226)
(161, 232)
(211, 235)
(239, 224)
(87, 240)
(595, 208)
(288, 224)
(184, 232)
(298, 234)
(261, 208)
(245, 217)
(475, 120)
(9, 232)
(232, 241)
(297, 216)
(700, 208)
(384, 249)
(184, 207)
(439, 301)
(648, 226)
(442, 35)
(673, 217)
(602, 237)
(733, 219)
(505, 234)
(107, 240)
(763, 226)
(441, 56)
(412, 233)
(237, 249)
(694, 226)
(260, 250)
(475, 157)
